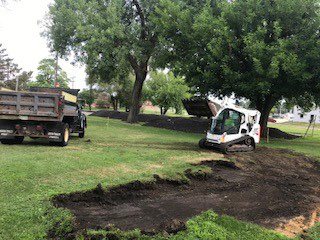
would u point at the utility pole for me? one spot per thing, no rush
(17, 83)
(72, 83)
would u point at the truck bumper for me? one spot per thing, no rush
(47, 130)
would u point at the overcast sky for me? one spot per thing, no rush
(20, 35)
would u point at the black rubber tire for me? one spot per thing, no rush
(65, 136)
(226, 150)
(82, 134)
(16, 140)
(202, 143)
(249, 142)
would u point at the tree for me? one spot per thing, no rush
(47, 75)
(166, 91)
(111, 37)
(21, 82)
(125, 91)
(263, 50)
(9, 71)
(89, 95)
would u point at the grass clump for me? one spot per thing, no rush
(207, 226)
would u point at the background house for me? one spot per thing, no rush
(299, 115)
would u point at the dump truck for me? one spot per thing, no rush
(41, 113)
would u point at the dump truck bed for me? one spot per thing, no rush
(35, 106)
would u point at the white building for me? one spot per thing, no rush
(299, 115)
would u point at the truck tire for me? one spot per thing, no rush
(82, 133)
(83, 128)
(65, 135)
(16, 140)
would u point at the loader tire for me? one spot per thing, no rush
(202, 143)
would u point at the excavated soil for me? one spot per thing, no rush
(191, 125)
(276, 189)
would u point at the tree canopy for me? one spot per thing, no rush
(112, 38)
(89, 95)
(166, 91)
(47, 75)
(263, 50)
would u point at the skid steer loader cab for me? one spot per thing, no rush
(233, 130)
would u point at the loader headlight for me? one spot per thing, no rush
(223, 138)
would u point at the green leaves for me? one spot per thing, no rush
(10, 72)
(166, 91)
(261, 50)
(47, 75)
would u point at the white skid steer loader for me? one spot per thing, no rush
(233, 129)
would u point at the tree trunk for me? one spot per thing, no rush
(91, 97)
(265, 109)
(264, 122)
(115, 104)
(141, 75)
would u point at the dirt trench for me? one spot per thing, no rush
(276, 189)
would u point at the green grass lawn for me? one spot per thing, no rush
(309, 145)
(118, 153)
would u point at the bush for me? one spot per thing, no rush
(103, 103)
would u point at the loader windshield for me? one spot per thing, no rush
(228, 121)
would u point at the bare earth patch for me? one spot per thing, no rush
(276, 189)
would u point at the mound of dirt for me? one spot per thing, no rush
(276, 133)
(272, 188)
(192, 125)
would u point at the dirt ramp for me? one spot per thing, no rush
(268, 187)
(277, 133)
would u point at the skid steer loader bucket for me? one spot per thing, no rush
(201, 107)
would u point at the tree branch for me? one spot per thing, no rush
(133, 62)
(142, 19)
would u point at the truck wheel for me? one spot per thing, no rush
(16, 140)
(65, 134)
(82, 133)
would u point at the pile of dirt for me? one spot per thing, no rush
(276, 133)
(276, 189)
(191, 125)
